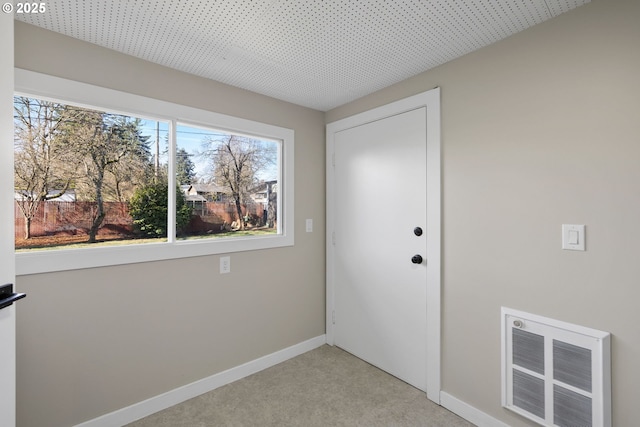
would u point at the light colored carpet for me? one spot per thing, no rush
(324, 387)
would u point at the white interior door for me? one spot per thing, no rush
(380, 294)
(7, 265)
(383, 259)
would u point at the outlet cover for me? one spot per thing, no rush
(225, 264)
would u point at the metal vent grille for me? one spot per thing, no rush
(571, 409)
(572, 365)
(555, 373)
(316, 53)
(528, 350)
(528, 393)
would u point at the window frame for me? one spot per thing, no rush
(43, 86)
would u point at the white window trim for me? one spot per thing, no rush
(30, 83)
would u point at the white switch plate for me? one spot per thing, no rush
(225, 264)
(309, 225)
(573, 237)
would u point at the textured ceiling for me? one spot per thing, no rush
(316, 53)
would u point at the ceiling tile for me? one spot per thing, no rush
(316, 53)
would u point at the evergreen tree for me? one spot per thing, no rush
(185, 168)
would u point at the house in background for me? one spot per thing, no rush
(262, 192)
(538, 130)
(67, 196)
(197, 195)
(266, 194)
(205, 192)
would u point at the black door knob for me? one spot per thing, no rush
(417, 231)
(416, 259)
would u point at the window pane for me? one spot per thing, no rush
(229, 184)
(82, 176)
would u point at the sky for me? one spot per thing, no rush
(191, 139)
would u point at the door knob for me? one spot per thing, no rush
(417, 231)
(416, 259)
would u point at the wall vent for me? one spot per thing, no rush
(555, 373)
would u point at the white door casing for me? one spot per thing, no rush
(7, 263)
(352, 260)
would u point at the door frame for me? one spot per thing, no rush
(7, 274)
(431, 100)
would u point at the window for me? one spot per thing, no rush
(78, 173)
(229, 183)
(130, 179)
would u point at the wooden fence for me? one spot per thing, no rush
(68, 218)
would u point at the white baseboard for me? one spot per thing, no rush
(158, 403)
(468, 412)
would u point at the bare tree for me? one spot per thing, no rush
(102, 142)
(42, 166)
(133, 170)
(236, 163)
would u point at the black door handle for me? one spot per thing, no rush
(7, 296)
(416, 259)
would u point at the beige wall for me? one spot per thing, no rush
(538, 130)
(94, 341)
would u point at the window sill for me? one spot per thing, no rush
(46, 261)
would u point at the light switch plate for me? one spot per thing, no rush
(573, 237)
(309, 225)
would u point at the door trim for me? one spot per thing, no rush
(7, 230)
(431, 100)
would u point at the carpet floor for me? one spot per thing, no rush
(324, 387)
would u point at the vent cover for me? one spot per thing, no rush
(555, 373)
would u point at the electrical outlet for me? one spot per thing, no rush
(225, 264)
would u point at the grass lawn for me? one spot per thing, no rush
(73, 242)
(243, 233)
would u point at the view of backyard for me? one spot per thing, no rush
(85, 177)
